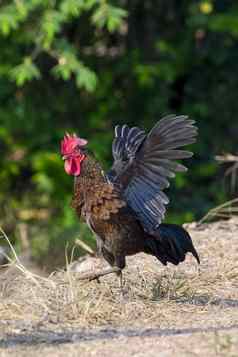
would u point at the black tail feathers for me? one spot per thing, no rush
(170, 244)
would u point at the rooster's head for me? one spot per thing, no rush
(72, 154)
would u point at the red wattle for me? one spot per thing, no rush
(72, 165)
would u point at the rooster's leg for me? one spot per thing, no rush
(119, 274)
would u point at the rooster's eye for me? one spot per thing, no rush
(76, 149)
(83, 149)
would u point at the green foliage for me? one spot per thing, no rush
(69, 64)
(225, 23)
(86, 65)
(72, 8)
(109, 16)
(25, 72)
(51, 23)
(46, 34)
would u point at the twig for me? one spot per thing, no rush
(17, 264)
(71, 289)
(226, 158)
(224, 210)
(231, 171)
(24, 238)
(85, 247)
(97, 274)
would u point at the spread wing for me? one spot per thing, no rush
(124, 147)
(145, 174)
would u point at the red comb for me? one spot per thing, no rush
(69, 143)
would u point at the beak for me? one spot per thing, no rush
(64, 157)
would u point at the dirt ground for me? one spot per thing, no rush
(165, 311)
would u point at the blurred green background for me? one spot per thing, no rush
(87, 65)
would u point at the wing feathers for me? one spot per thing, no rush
(143, 164)
(168, 154)
(165, 124)
(153, 165)
(167, 164)
(126, 142)
(157, 179)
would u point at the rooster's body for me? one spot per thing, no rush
(106, 213)
(125, 207)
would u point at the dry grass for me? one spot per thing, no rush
(232, 170)
(183, 297)
(226, 210)
(152, 292)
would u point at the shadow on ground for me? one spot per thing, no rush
(48, 337)
(203, 300)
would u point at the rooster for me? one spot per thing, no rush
(125, 207)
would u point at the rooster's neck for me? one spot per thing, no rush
(91, 174)
(89, 182)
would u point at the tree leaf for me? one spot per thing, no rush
(85, 78)
(25, 72)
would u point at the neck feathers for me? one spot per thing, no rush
(91, 174)
(91, 180)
